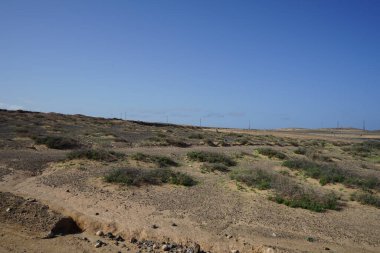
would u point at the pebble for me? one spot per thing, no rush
(234, 251)
(8, 209)
(165, 247)
(99, 233)
(154, 226)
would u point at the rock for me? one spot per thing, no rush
(117, 243)
(310, 239)
(31, 200)
(154, 226)
(67, 190)
(234, 251)
(229, 236)
(98, 244)
(49, 235)
(165, 247)
(156, 246)
(274, 235)
(327, 248)
(269, 250)
(133, 240)
(99, 233)
(197, 248)
(96, 213)
(174, 225)
(110, 235)
(119, 239)
(8, 209)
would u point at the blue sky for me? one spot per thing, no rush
(274, 63)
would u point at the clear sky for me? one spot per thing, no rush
(284, 63)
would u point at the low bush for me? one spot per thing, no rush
(57, 142)
(286, 191)
(177, 143)
(195, 136)
(363, 149)
(300, 151)
(253, 178)
(212, 167)
(95, 154)
(331, 174)
(271, 153)
(138, 177)
(160, 161)
(210, 157)
(366, 198)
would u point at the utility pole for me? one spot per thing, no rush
(363, 125)
(337, 124)
(200, 122)
(249, 125)
(167, 119)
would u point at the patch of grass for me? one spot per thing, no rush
(212, 167)
(300, 151)
(331, 174)
(195, 136)
(286, 191)
(271, 153)
(363, 149)
(210, 157)
(309, 201)
(177, 143)
(136, 177)
(95, 154)
(160, 161)
(366, 198)
(57, 142)
(254, 178)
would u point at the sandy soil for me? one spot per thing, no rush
(205, 213)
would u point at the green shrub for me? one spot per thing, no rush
(195, 136)
(366, 198)
(211, 167)
(160, 161)
(286, 191)
(309, 201)
(363, 149)
(300, 151)
(210, 157)
(253, 178)
(136, 177)
(271, 153)
(177, 143)
(57, 142)
(331, 174)
(95, 154)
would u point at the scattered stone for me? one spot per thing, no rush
(110, 235)
(156, 246)
(310, 239)
(174, 225)
(165, 247)
(269, 250)
(99, 244)
(49, 235)
(99, 233)
(274, 234)
(96, 213)
(31, 200)
(327, 248)
(234, 251)
(8, 209)
(119, 239)
(67, 190)
(229, 236)
(154, 226)
(133, 240)
(197, 248)
(117, 243)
